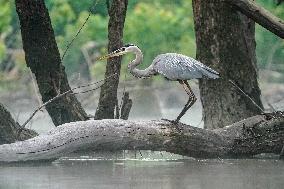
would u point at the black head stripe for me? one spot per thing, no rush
(128, 45)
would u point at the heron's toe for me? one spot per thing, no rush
(171, 121)
(175, 123)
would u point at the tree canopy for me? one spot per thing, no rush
(174, 33)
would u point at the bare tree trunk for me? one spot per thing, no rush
(43, 58)
(255, 135)
(108, 96)
(225, 41)
(9, 128)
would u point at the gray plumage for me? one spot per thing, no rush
(180, 67)
(173, 66)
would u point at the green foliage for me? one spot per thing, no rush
(5, 15)
(155, 26)
(79, 6)
(174, 32)
(157, 29)
(270, 48)
(95, 30)
(61, 14)
(5, 18)
(2, 49)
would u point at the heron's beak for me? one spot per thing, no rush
(117, 52)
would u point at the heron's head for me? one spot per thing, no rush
(121, 51)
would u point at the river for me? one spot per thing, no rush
(87, 172)
(126, 170)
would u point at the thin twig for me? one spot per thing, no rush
(79, 31)
(35, 87)
(94, 83)
(65, 93)
(69, 44)
(81, 92)
(71, 90)
(247, 96)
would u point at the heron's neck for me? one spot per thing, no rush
(138, 60)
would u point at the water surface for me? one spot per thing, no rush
(124, 173)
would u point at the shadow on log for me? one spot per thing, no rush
(258, 134)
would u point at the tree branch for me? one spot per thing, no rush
(70, 91)
(260, 16)
(258, 134)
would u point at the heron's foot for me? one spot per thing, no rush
(171, 121)
(273, 115)
(175, 123)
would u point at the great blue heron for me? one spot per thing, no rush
(172, 66)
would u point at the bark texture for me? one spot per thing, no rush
(260, 15)
(43, 58)
(108, 96)
(126, 106)
(225, 42)
(9, 128)
(258, 134)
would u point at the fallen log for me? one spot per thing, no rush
(258, 134)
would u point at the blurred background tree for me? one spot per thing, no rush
(5, 28)
(270, 48)
(174, 33)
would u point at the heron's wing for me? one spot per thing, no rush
(180, 67)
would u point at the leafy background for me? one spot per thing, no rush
(155, 26)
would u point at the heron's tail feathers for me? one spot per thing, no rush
(210, 73)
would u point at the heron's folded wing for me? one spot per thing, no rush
(177, 67)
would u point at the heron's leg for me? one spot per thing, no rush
(191, 99)
(186, 87)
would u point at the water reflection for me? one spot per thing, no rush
(74, 173)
